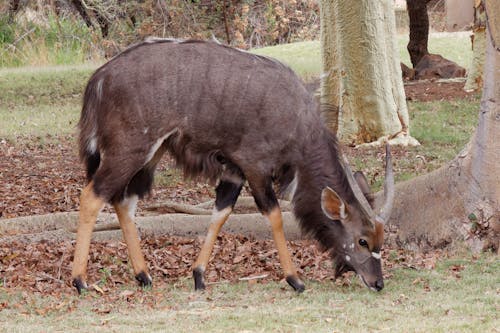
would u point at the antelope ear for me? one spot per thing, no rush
(333, 206)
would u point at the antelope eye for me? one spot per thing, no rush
(363, 242)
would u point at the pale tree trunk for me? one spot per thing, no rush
(460, 201)
(372, 98)
(475, 74)
(330, 78)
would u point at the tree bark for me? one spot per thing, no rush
(101, 20)
(475, 73)
(461, 200)
(419, 29)
(83, 13)
(62, 226)
(330, 77)
(13, 9)
(362, 74)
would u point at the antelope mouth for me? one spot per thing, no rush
(366, 283)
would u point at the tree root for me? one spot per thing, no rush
(62, 226)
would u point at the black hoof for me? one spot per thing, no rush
(198, 279)
(296, 283)
(79, 284)
(144, 279)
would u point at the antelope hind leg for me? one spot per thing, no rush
(90, 205)
(125, 211)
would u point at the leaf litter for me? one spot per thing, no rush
(43, 175)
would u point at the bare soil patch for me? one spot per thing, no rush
(425, 91)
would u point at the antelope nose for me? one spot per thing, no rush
(379, 285)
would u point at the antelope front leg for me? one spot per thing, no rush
(125, 211)
(287, 265)
(90, 205)
(217, 220)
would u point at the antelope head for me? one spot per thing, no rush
(362, 229)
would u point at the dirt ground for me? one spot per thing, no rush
(43, 175)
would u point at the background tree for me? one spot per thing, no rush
(362, 91)
(426, 65)
(419, 29)
(475, 75)
(461, 200)
(13, 8)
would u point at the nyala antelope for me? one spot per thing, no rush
(229, 117)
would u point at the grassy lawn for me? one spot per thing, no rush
(458, 295)
(41, 101)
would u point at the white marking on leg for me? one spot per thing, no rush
(131, 204)
(216, 221)
(217, 215)
(292, 188)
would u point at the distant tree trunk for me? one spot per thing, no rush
(225, 7)
(330, 76)
(461, 200)
(361, 72)
(13, 8)
(80, 8)
(475, 73)
(103, 24)
(419, 29)
(101, 20)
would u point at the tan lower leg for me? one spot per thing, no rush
(279, 239)
(125, 211)
(216, 222)
(90, 205)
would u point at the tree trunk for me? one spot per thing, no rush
(80, 8)
(330, 76)
(419, 29)
(13, 9)
(475, 74)
(460, 201)
(361, 65)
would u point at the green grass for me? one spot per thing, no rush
(414, 300)
(41, 101)
(55, 41)
(443, 125)
(303, 57)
